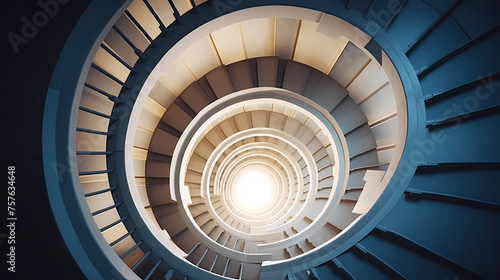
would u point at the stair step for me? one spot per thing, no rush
(343, 215)
(348, 115)
(196, 97)
(267, 70)
(159, 195)
(219, 81)
(296, 76)
(240, 75)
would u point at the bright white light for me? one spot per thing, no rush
(253, 189)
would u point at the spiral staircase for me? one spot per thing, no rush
(374, 121)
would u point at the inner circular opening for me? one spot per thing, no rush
(253, 189)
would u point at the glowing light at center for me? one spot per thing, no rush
(254, 190)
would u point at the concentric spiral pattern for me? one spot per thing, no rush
(261, 144)
(302, 134)
(254, 145)
(193, 139)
